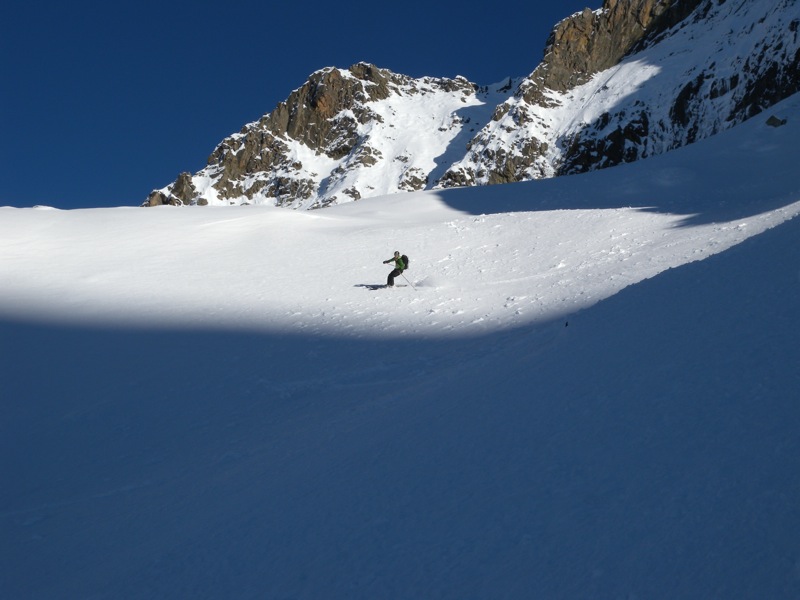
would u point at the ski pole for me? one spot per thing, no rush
(409, 283)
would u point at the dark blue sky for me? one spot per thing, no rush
(103, 102)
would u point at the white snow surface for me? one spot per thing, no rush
(590, 391)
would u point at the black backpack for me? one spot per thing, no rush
(404, 258)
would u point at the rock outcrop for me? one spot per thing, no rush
(636, 79)
(594, 40)
(326, 122)
(578, 47)
(709, 97)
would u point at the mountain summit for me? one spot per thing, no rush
(624, 82)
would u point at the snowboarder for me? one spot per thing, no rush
(399, 267)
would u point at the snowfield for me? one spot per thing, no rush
(590, 391)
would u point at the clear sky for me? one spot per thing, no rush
(102, 102)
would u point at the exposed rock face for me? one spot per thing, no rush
(699, 66)
(774, 121)
(307, 116)
(592, 41)
(578, 47)
(710, 97)
(182, 191)
(324, 123)
(630, 80)
(312, 115)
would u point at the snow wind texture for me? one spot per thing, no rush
(589, 392)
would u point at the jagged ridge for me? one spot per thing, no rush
(624, 82)
(687, 75)
(343, 135)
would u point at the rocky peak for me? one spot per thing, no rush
(746, 66)
(634, 79)
(578, 47)
(594, 40)
(329, 122)
(307, 115)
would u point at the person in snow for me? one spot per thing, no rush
(399, 267)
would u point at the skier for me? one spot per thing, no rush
(399, 267)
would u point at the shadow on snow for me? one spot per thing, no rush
(654, 434)
(707, 185)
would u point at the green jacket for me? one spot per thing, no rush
(398, 263)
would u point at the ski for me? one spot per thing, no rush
(380, 286)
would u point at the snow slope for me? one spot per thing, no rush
(591, 393)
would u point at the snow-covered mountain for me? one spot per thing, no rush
(342, 136)
(720, 65)
(591, 391)
(624, 82)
